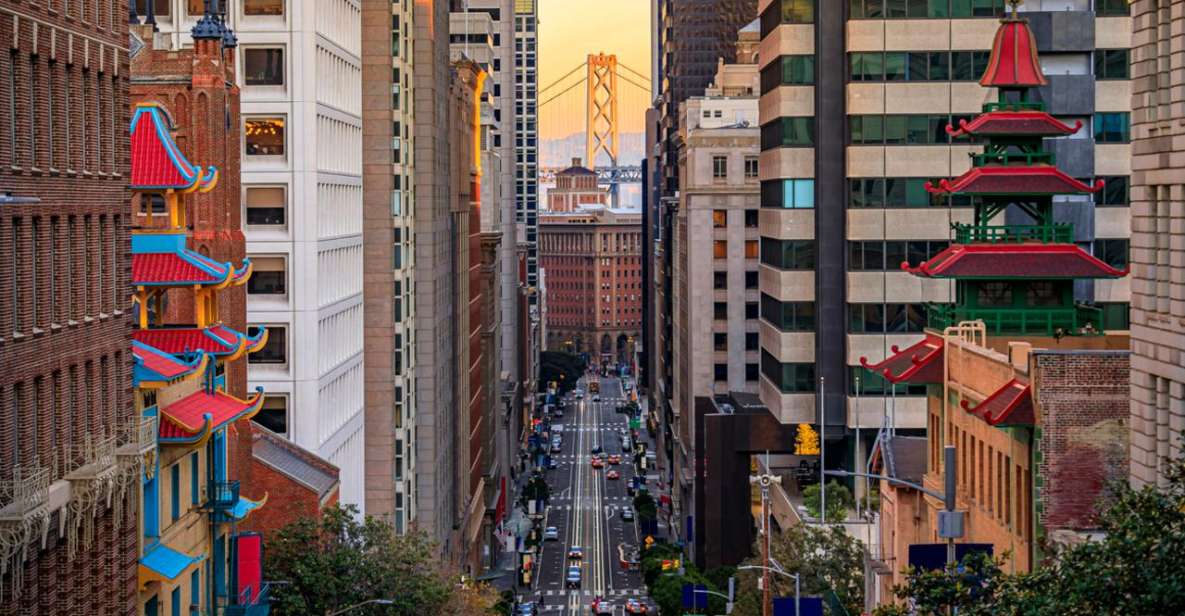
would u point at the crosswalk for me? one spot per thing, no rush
(560, 598)
(555, 507)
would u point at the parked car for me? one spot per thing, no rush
(551, 533)
(596, 398)
(576, 552)
(573, 578)
(556, 447)
(552, 464)
(633, 606)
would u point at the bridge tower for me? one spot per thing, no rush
(601, 127)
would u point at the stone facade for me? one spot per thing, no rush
(1158, 240)
(65, 363)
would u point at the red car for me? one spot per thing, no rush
(614, 459)
(613, 475)
(633, 606)
(597, 462)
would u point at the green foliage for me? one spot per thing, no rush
(839, 501)
(667, 592)
(1137, 567)
(336, 561)
(563, 368)
(825, 558)
(645, 507)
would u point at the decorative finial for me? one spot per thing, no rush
(1015, 5)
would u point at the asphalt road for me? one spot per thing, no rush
(586, 510)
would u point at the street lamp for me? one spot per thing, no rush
(764, 480)
(358, 605)
(950, 522)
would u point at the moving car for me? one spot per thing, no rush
(601, 607)
(579, 394)
(576, 552)
(597, 462)
(556, 447)
(627, 513)
(633, 606)
(573, 578)
(558, 413)
(529, 608)
(612, 474)
(596, 398)
(614, 459)
(596, 451)
(551, 533)
(552, 464)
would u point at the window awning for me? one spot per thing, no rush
(193, 417)
(161, 563)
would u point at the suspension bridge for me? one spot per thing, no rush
(607, 83)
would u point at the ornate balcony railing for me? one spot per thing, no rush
(1079, 320)
(1014, 106)
(1013, 234)
(1013, 158)
(24, 512)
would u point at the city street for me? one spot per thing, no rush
(586, 510)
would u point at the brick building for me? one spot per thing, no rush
(65, 364)
(592, 262)
(1158, 240)
(574, 187)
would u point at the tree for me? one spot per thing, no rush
(563, 368)
(839, 501)
(337, 560)
(1137, 567)
(826, 559)
(806, 441)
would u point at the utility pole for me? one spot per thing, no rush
(822, 451)
(764, 480)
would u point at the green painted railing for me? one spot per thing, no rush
(1076, 321)
(1013, 158)
(1013, 234)
(1025, 106)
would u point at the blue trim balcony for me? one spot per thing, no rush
(224, 496)
(260, 607)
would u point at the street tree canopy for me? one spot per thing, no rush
(827, 559)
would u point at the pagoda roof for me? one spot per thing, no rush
(1018, 180)
(152, 364)
(194, 417)
(1002, 123)
(1013, 62)
(217, 340)
(920, 363)
(1003, 261)
(157, 163)
(1011, 405)
(161, 259)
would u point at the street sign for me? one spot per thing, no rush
(649, 541)
(808, 606)
(932, 556)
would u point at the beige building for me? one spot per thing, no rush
(574, 187)
(1158, 239)
(846, 153)
(715, 247)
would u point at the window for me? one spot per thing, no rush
(867, 66)
(866, 383)
(788, 194)
(789, 378)
(751, 280)
(1107, 8)
(175, 600)
(751, 310)
(263, 66)
(1115, 191)
(266, 205)
(720, 311)
(1116, 316)
(891, 192)
(276, 349)
(719, 167)
(751, 169)
(720, 341)
(1113, 252)
(160, 8)
(751, 218)
(921, 9)
(1112, 127)
(719, 280)
(788, 132)
(719, 218)
(194, 496)
(877, 255)
(273, 415)
(788, 316)
(886, 318)
(1111, 64)
(751, 372)
(720, 372)
(720, 249)
(788, 254)
(788, 71)
(994, 295)
(263, 7)
(751, 249)
(269, 276)
(751, 341)
(968, 65)
(898, 129)
(264, 136)
(175, 491)
(195, 588)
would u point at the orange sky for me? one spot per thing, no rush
(569, 30)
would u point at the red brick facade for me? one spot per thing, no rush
(65, 364)
(287, 499)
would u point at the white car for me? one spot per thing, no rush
(596, 398)
(551, 533)
(579, 394)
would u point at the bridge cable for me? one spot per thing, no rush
(557, 81)
(565, 91)
(627, 67)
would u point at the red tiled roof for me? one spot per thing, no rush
(1010, 405)
(1030, 260)
(192, 416)
(918, 364)
(1013, 63)
(168, 267)
(157, 162)
(159, 362)
(216, 340)
(1014, 180)
(1028, 123)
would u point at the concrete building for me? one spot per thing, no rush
(594, 281)
(574, 187)
(1158, 274)
(870, 136)
(389, 236)
(65, 360)
(300, 73)
(714, 246)
(526, 138)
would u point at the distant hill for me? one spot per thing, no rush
(560, 152)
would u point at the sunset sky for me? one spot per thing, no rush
(569, 30)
